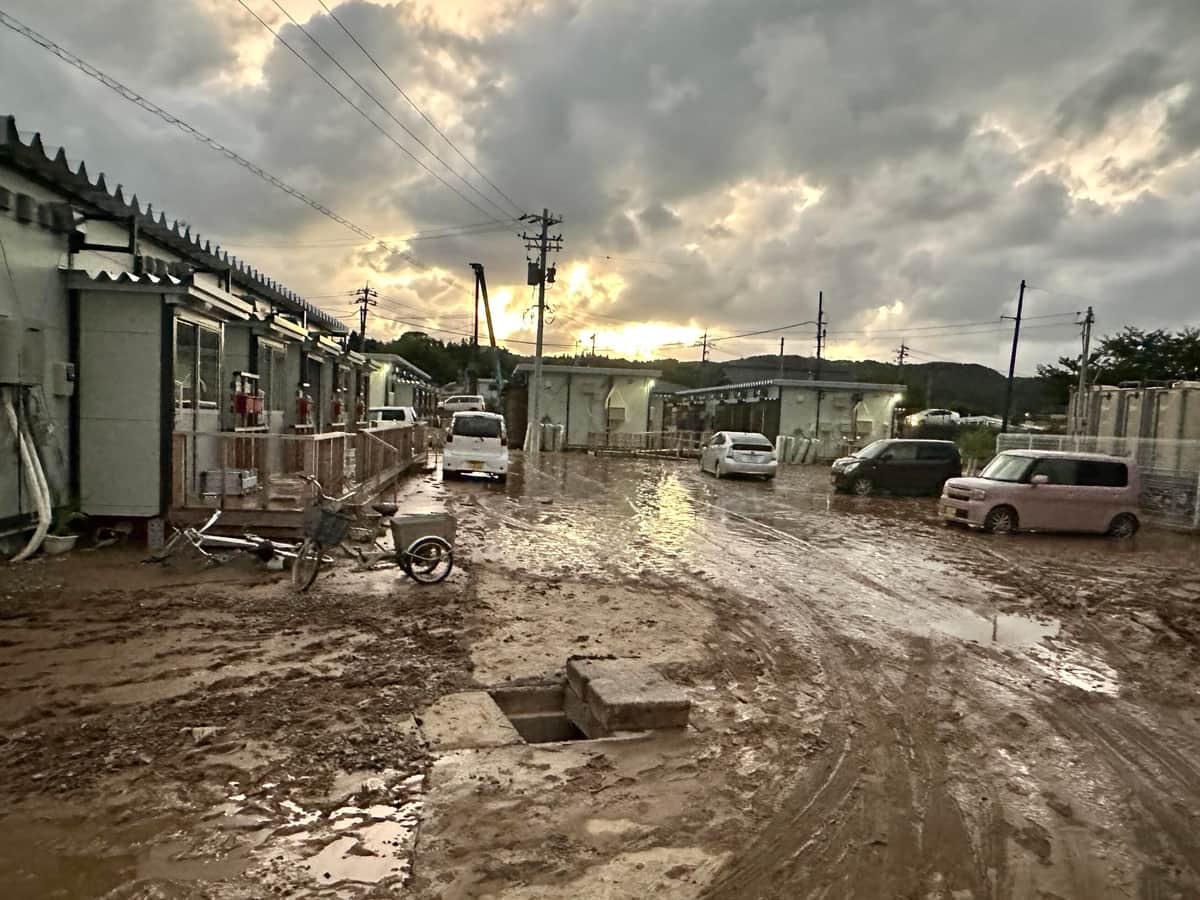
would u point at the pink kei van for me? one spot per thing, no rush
(1036, 490)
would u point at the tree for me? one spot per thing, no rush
(1132, 354)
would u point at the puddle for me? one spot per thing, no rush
(1037, 637)
(1004, 629)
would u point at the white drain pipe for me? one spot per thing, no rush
(34, 476)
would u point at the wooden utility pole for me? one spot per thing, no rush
(820, 347)
(1012, 359)
(593, 345)
(781, 358)
(542, 243)
(1079, 425)
(704, 349)
(366, 298)
(901, 356)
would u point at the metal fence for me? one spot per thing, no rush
(1169, 469)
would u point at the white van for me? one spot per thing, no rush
(403, 414)
(464, 403)
(476, 442)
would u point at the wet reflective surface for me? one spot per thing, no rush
(928, 697)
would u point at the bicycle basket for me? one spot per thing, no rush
(326, 526)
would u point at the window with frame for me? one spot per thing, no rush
(1098, 473)
(1059, 471)
(901, 452)
(270, 376)
(197, 366)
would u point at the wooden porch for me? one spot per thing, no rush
(258, 480)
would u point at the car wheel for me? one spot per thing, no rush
(1001, 520)
(1123, 526)
(862, 486)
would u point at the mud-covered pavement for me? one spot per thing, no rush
(882, 707)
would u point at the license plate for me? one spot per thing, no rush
(474, 464)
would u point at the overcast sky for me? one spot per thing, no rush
(716, 163)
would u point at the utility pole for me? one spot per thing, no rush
(365, 298)
(820, 347)
(781, 359)
(703, 351)
(901, 356)
(542, 243)
(1081, 405)
(593, 345)
(820, 330)
(1012, 359)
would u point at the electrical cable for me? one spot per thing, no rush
(333, 87)
(505, 213)
(520, 211)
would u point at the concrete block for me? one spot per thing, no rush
(470, 719)
(583, 717)
(627, 695)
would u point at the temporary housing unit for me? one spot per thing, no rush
(592, 405)
(148, 371)
(835, 416)
(397, 382)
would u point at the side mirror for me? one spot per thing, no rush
(1039, 479)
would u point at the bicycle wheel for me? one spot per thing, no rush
(428, 560)
(307, 564)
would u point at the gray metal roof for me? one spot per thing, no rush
(404, 363)
(590, 370)
(793, 383)
(32, 159)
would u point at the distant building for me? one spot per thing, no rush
(838, 415)
(397, 382)
(588, 402)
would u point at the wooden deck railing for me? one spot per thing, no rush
(237, 470)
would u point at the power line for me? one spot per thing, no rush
(333, 87)
(428, 235)
(387, 111)
(400, 91)
(137, 99)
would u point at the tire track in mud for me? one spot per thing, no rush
(873, 815)
(879, 796)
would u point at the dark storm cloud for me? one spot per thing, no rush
(747, 155)
(658, 217)
(1137, 77)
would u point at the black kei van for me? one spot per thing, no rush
(898, 466)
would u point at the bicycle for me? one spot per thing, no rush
(262, 548)
(325, 525)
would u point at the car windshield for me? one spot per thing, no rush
(393, 415)
(1007, 467)
(872, 450)
(477, 426)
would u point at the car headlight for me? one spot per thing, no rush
(979, 494)
(852, 465)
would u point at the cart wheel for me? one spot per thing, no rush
(307, 564)
(428, 560)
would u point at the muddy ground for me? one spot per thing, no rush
(883, 707)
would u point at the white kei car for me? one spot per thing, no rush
(739, 453)
(476, 442)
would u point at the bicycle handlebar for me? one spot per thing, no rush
(324, 496)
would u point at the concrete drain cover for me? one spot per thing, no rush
(537, 712)
(599, 698)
